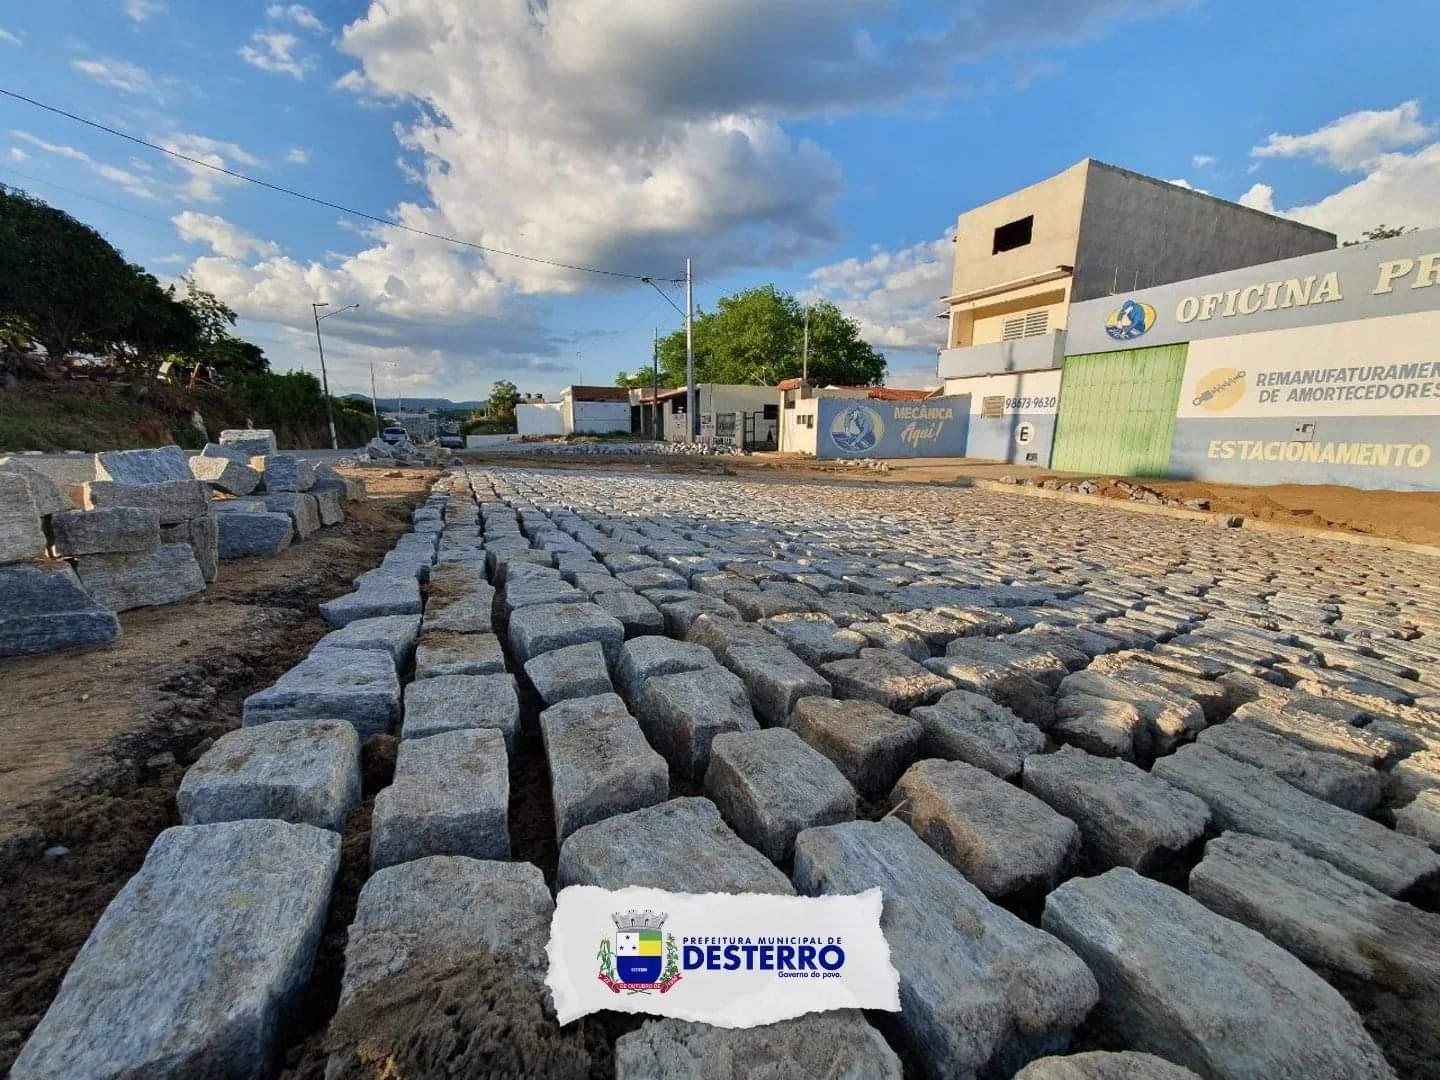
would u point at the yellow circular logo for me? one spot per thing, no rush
(1220, 389)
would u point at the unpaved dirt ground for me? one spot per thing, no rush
(95, 743)
(1411, 516)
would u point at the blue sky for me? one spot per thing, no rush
(825, 145)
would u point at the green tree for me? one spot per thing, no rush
(62, 278)
(1380, 232)
(504, 396)
(756, 337)
(159, 326)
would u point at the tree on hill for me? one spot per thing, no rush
(61, 278)
(756, 337)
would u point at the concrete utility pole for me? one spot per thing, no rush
(325, 379)
(805, 349)
(691, 413)
(655, 387)
(374, 407)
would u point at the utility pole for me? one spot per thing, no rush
(324, 378)
(805, 350)
(655, 387)
(691, 413)
(374, 408)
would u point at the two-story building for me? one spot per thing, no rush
(1092, 231)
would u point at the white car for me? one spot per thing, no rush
(395, 435)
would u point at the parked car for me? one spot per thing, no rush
(452, 440)
(395, 435)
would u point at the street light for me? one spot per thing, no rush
(324, 378)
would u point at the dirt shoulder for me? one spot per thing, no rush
(96, 742)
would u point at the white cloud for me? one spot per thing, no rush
(221, 236)
(298, 156)
(8, 38)
(1353, 141)
(16, 154)
(274, 52)
(202, 183)
(299, 14)
(1259, 197)
(1397, 189)
(1203, 161)
(895, 295)
(119, 75)
(140, 10)
(110, 173)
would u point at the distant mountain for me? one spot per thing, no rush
(433, 404)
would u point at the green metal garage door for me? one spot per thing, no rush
(1117, 411)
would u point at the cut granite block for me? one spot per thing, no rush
(1336, 779)
(837, 1046)
(302, 771)
(637, 615)
(544, 627)
(967, 727)
(1009, 686)
(392, 634)
(382, 597)
(21, 536)
(142, 466)
(815, 638)
(600, 763)
(467, 611)
(115, 529)
(122, 582)
(682, 713)
(174, 500)
(44, 608)
(49, 497)
(433, 911)
(450, 797)
(1246, 799)
(285, 472)
(1104, 1065)
(202, 535)
(769, 785)
(445, 653)
(1180, 981)
(576, 671)
(886, 678)
(329, 496)
(1127, 817)
(303, 511)
(223, 474)
(981, 993)
(644, 657)
(775, 679)
(871, 745)
(252, 442)
(146, 988)
(681, 845)
(251, 535)
(458, 702)
(356, 685)
(1004, 841)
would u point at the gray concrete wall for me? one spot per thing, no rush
(1136, 231)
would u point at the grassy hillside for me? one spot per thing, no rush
(86, 416)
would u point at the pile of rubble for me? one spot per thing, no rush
(379, 452)
(150, 529)
(1170, 789)
(1133, 492)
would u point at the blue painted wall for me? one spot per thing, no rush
(861, 428)
(1395, 453)
(996, 439)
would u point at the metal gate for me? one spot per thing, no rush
(1117, 411)
(760, 432)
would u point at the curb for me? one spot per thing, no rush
(1208, 516)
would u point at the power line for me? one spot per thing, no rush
(315, 198)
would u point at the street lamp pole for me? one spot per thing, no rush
(374, 407)
(324, 377)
